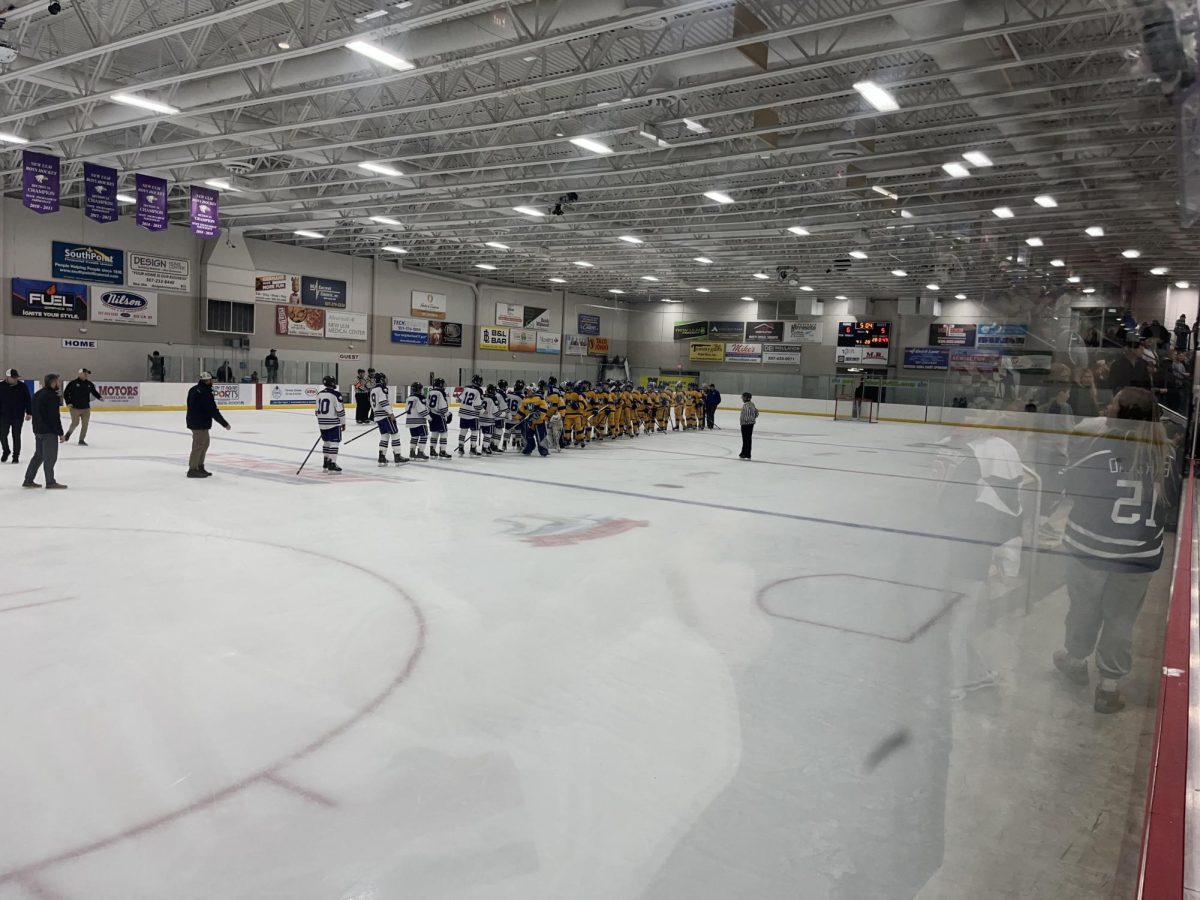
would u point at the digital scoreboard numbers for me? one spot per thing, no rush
(865, 334)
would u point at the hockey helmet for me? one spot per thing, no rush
(477, 380)
(329, 381)
(380, 378)
(553, 381)
(519, 386)
(439, 383)
(416, 389)
(502, 384)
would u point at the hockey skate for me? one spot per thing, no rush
(442, 454)
(421, 455)
(331, 466)
(487, 451)
(460, 450)
(474, 452)
(382, 458)
(399, 459)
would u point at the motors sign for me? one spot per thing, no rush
(119, 393)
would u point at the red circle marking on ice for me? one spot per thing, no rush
(22, 873)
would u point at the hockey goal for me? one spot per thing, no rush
(848, 409)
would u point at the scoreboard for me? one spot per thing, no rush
(865, 334)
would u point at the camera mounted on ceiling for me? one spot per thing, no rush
(564, 201)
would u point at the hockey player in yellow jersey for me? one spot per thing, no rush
(532, 414)
(597, 404)
(662, 412)
(681, 402)
(613, 398)
(692, 410)
(626, 394)
(573, 416)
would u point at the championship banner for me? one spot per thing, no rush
(427, 305)
(522, 340)
(49, 300)
(299, 321)
(689, 331)
(445, 334)
(151, 202)
(328, 293)
(40, 181)
(782, 354)
(699, 351)
(409, 331)
(764, 332)
(743, 352)
(159, 273)
(345, 326)
(99, 193)
(804, 332)
(589, 324)
(493, 338)
(597, 346)
(124, 307)
(85, 262)
(206, 212)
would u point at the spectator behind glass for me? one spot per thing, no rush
(1129, 370)
(1084, 399)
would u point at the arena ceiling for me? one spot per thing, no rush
(475, 104)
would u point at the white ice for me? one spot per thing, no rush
(640, 670)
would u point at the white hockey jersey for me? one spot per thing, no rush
(470, 404)
(330, 411)
(438, 405)
(381, 402)
(416, 412)
(491, 409)
(514, 404)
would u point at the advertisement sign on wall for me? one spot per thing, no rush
(346, 326)
(522, 340)
(124, 306)
(299, 321)
(743, 352)
(862, 356)
(84, 262)
(597, 346)
(702, 351)
(764, 332)
(290, 395)
(589, 324)
(690, 331)
(576, 345)
(79, 344)
(445, 334)
(159, 273)
(804, 332)
(427, 305)
(782, 354)
(235, 394)
(510, 314)
(726, 331)
(548, 342)
(119, 393)
(926, 358)
(1002, 335)
(974, 361)
(493, 338)
(276, 287)
(945, 335)
(409, 331)
(48, 299)
(327, 293)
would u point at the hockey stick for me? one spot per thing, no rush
(363, 433)
(310, 453)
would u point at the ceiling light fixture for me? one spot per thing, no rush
(877, 96)
(379, 55)
(703, 291)
(615, 291)
(126, 198)
(1182, 285)
(960, 296)
(1074, 279)
(805, 287)
(144, 103)
(222, 185)
(703, 260)
(284, 45)
(1003, 212)
(748, 299)
(697, 127)
(1089, 290)
(384, 220)
(367, 17)
(630, 239)
(1057, 263)
(718, 197)
(933, 287)
(800, 230)
(584, 265)
(956, 170)
(841, 297)
(589, 144)
(559, 280)
(979, 159)
(1094, 231)
(1159, 270)
(1131, 254)
(761, 276)
(880, 189)
(858, 254)
(649, 278)
(379, 169)
(529, 211)
(899, 273)
(308, 234)
(1046, 201)
(905, 214)
(1035, 242)
(392, 248)
(7, 138)
(496, 245)
(487, 266)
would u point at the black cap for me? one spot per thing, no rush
(12, 373)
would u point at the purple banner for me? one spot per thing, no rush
(152, 202)
(40, 182)
(99, 193)
(206, 212)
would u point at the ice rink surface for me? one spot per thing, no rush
(640, 670)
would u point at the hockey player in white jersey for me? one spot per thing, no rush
(440, 418)
(331, 420)
(416, 417)
(492, 420)
(381, 411)
(504, 422)
(470, 405)
(514, 397)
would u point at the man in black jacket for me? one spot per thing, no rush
(712, 399)
(271, 364)
(78, 396)
(16, 407)
(202, 411)
(47, 434)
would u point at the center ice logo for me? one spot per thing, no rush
(550, 531)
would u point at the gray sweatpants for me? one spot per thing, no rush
(45, 456)
(1104, 608)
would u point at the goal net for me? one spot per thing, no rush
(848, 409)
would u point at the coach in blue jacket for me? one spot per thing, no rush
(712, 399)
(202, 411)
